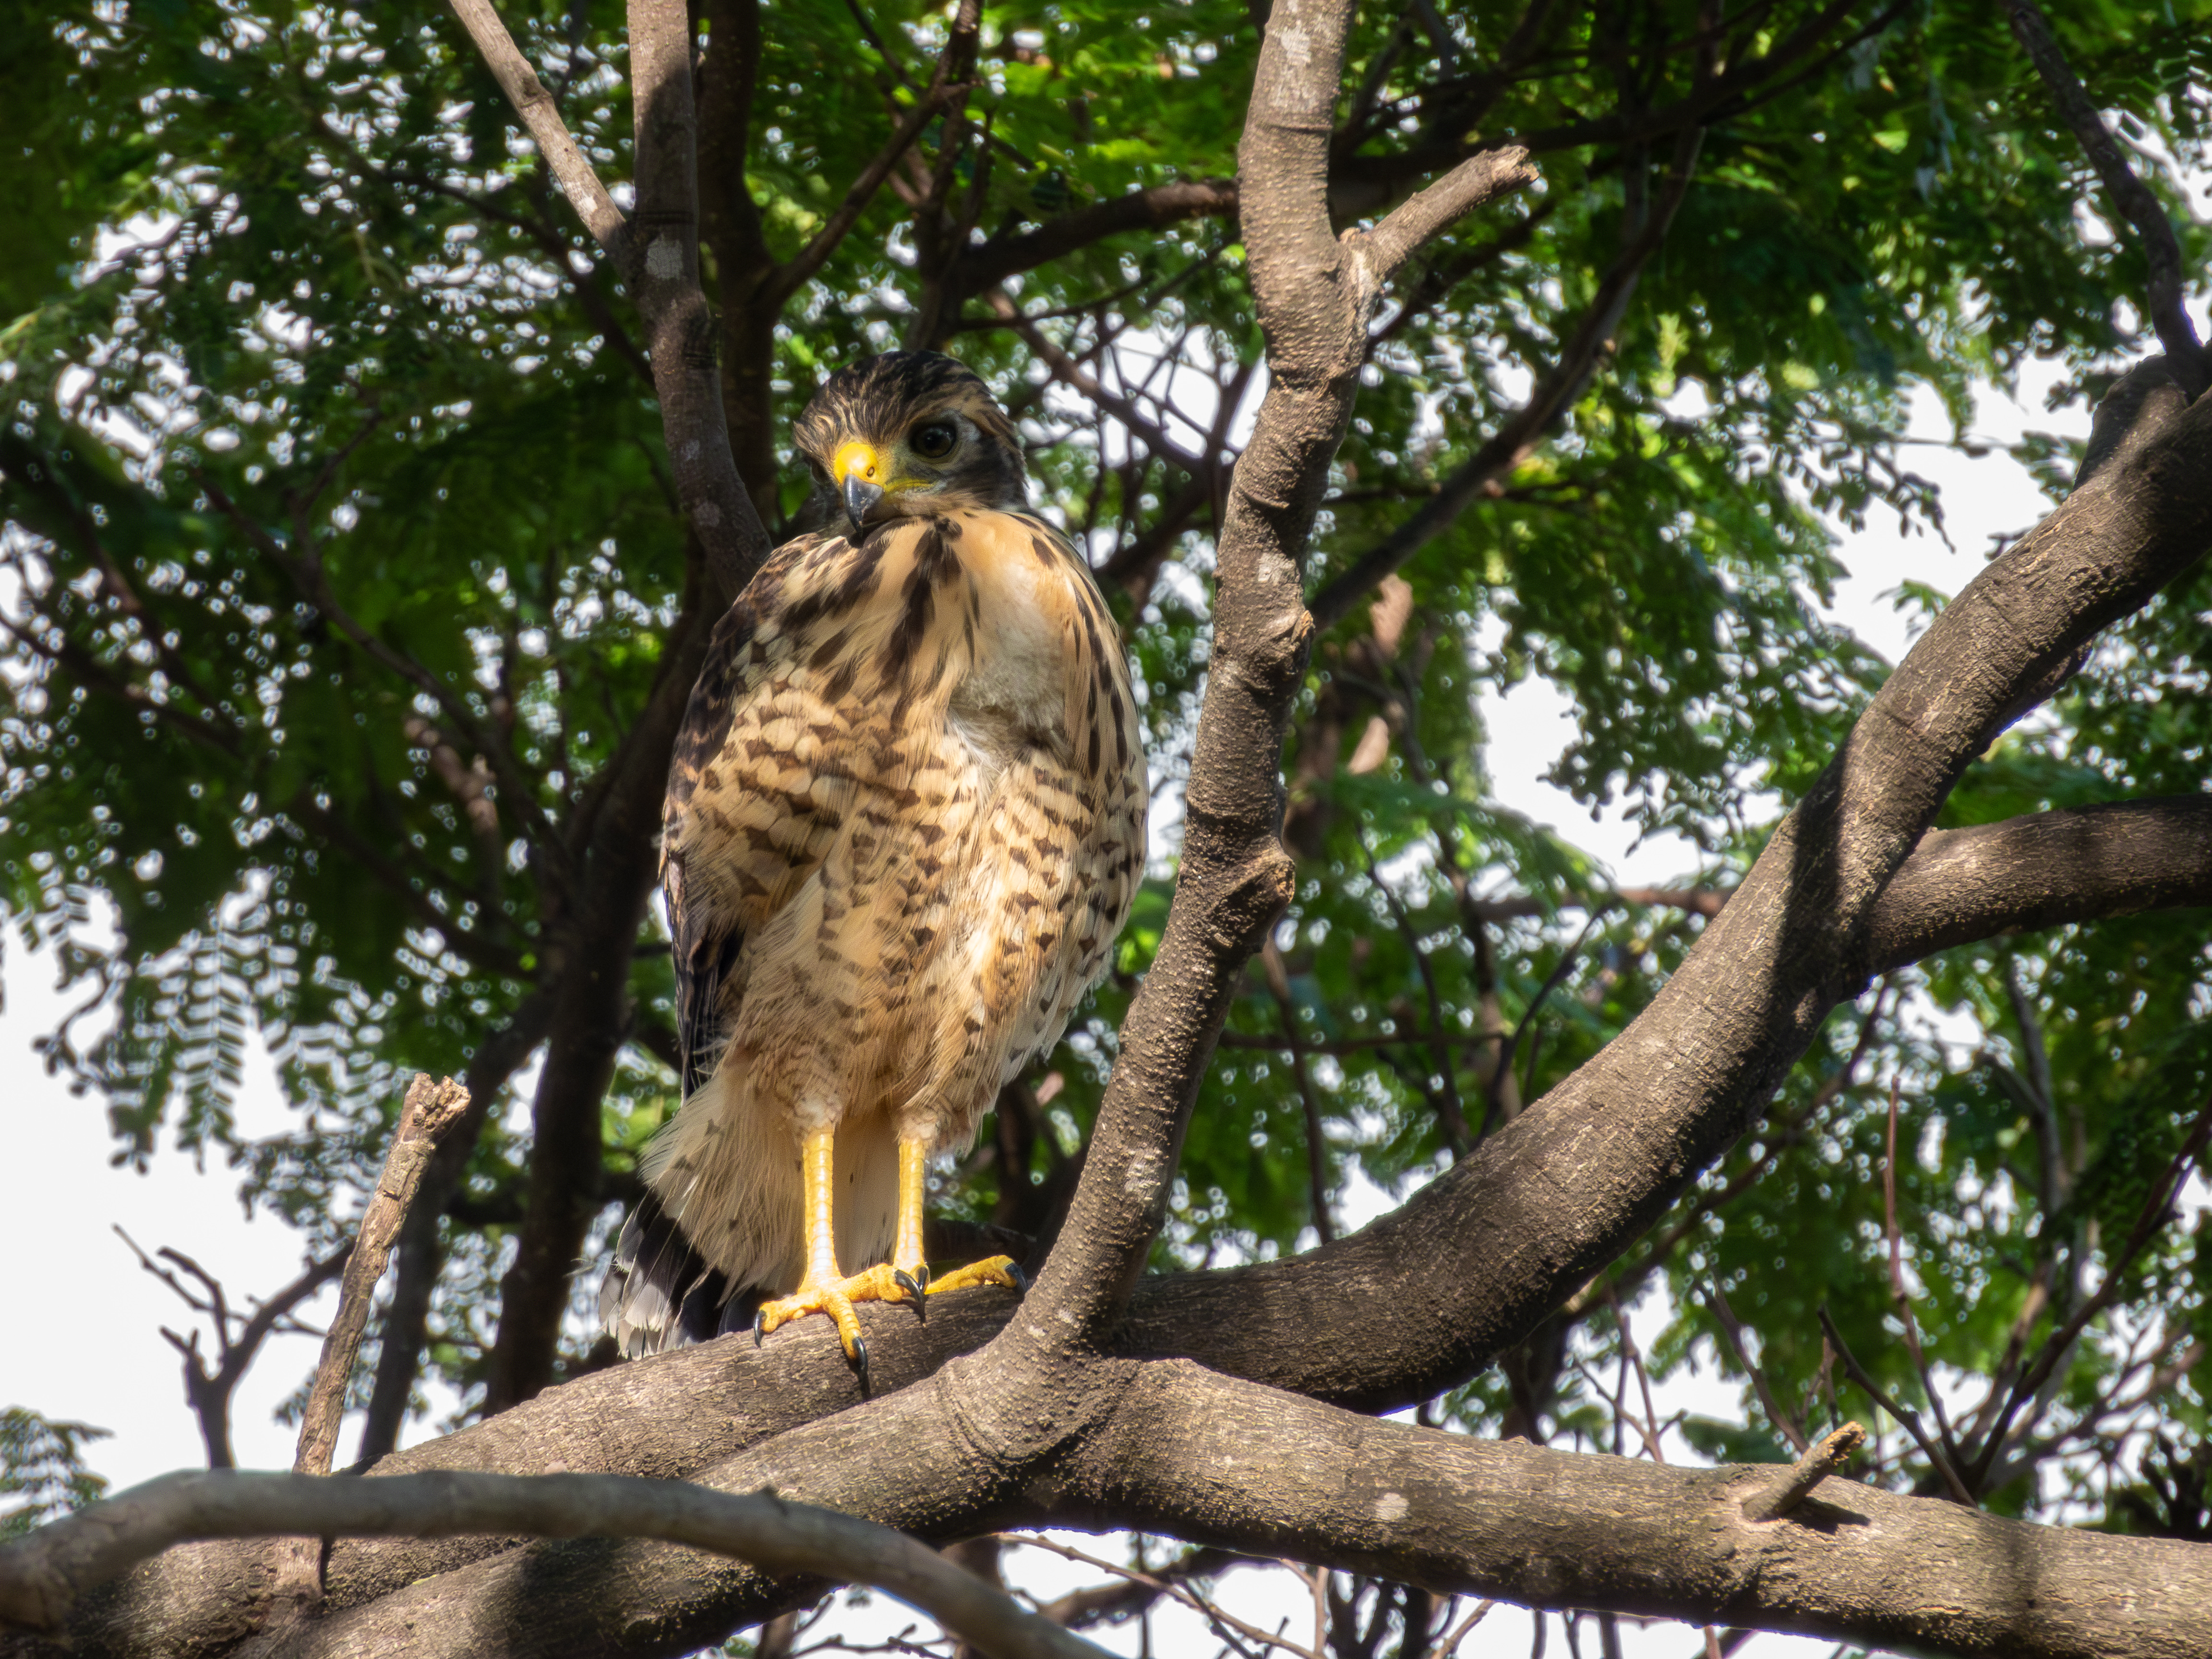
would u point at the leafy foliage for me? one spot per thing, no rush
(42, 1468)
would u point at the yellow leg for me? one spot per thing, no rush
(824, 1290)
(904, 1277)
(907, 1256)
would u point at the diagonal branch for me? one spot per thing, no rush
(541, 118)
(659, 259)
(1556, 392)
(2169, 311)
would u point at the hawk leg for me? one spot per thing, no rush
(905, 1278)
(907, 1260)
(823, 1289)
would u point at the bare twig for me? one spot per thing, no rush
(1776, 1499)
(1279, 984)
(208, 1390)
(2152, 1216)
(1784, 1421)
(1903, 1413)
(430, 1110)
(1450, 1646)
(1223, 1623)
(1898, 1292)
(42, 1576)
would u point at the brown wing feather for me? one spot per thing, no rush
(776, 618)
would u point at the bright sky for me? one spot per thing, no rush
(84, 1321)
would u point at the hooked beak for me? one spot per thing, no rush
(860, 496)
(859, 472)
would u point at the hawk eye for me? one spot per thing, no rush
(935, 441)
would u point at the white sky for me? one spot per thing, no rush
(83, 1322)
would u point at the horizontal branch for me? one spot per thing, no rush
(1223, 1462)
(1154, 208)
(2043, 870)
(41, 1576)
(1305, 1323)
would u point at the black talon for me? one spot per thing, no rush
(918, 1292)
(1021, 1280)
(760, 1327)
(861, 1362)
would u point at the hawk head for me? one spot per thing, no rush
(908, 433)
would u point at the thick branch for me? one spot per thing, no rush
(1240, 1466)
(2042, 871)
(1658, 1105)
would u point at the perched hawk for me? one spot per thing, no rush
(905, 821)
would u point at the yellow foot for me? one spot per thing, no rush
(996, 1270)
(882, 1283)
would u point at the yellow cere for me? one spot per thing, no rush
(857, 458)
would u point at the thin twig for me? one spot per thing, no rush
(208, 1390)
(1903, 1413)
(1223, 1622)
(1784, 1421)
(1450, 1647)
(2152, 1216)
(1897, 1290)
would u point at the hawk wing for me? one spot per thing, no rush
(764, 840)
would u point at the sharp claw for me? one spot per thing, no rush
(760, 1327)
(1021, 1280)
(860, 1362)
(917, 1291)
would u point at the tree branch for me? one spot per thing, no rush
(1152, 209)
(42, 1576)
(659, 261)
(1555, 392)
(2168, 307)
(2042, 870)
(430, 1110)
(209, 1391)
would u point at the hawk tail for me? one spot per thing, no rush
(659, 1292)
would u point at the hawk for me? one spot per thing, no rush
(905, 821)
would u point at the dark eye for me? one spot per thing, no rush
(935, 441)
